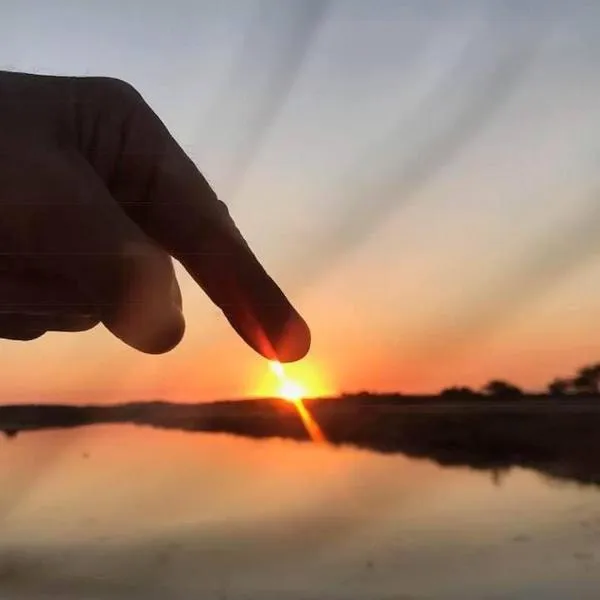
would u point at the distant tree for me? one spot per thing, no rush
(587, 380)
(559, 387)
(502, 389)
(458, 392)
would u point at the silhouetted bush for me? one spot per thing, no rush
(458, 392)
(587, 380)
(559, 387)
(502, 389)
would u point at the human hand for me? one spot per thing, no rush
(95, 198)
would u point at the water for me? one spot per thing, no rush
(124, 512)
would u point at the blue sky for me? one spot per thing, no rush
(420, 176)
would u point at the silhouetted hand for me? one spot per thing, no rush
(95, 198)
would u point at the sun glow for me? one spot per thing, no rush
(291, 391)
(303, 379)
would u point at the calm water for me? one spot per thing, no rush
(139, 513)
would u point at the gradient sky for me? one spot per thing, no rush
(421, 177)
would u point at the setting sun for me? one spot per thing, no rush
(293, 392)
(289, 389)
(292, 381)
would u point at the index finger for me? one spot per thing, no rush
(161, 188)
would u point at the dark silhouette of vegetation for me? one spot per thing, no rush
(559, 387)
(557, 437)
(556, 433)
(587, 380)
(458, 392)
(502, 389)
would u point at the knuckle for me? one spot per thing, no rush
(111, 114)
(117, 89)
(98, 92)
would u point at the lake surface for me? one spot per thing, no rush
(126, 512)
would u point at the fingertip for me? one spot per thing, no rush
(166, 339)
(285, 339)
(145, 308)
(294, 342)
(157, 336)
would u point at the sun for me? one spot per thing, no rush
(289, 390)
(302, 380)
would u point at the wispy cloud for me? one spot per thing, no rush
(272, 54)
(472, 94)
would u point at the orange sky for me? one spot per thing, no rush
(349, 354)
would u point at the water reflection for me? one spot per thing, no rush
(558, 438)
(120, 511)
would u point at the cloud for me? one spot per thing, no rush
(273, 52)
(473, 92)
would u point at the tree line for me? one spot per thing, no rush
(586, 381)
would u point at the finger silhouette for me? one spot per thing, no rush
(76, 230)
(31, 305)
(161, 190)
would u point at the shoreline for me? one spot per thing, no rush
(559, 438)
